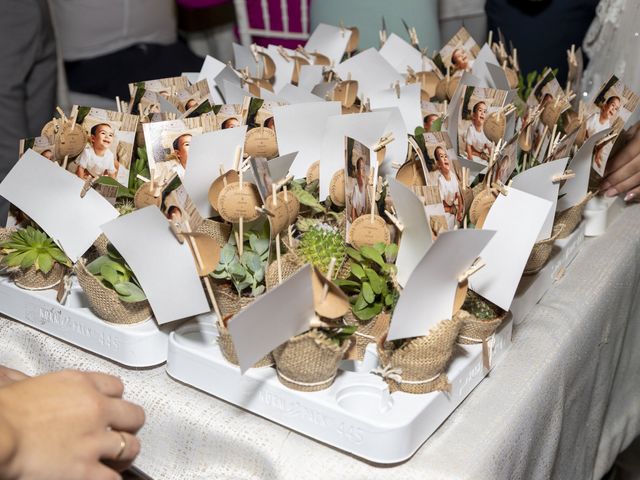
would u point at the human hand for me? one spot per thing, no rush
(65, 425)
(622, 174)
(9, 376)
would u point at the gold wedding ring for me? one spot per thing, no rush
(123, 446)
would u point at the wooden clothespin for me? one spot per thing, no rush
(563, 176)
(176, 229)
(143, 179)
(64, 288)
(88, 183)
(383, 142)
(606, 139)
(283, 53)
(396, 87)
(394, 220)
(475, 266)
(383, 33)
(65, 162)
(61, 112)
(343, 30)
(264, 211)
(490, 38)
(498, 185)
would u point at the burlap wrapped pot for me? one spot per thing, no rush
(228, 299)
(372, 331)
(418, 366)
(475, 330)
(571, 217)
(219, 231)
(229, 352)
(541, 251)
(32, 279)
(290, 263)
(5, 233)
(101, 245)
(106, 304)
(309, 362)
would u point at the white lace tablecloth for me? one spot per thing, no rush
(561, 404)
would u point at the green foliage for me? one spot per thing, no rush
(340, 333)
(307, 195)
(138, 167)
(526, 84)
(30, 247)
(125, 207)
(114, 273)
(319, 244)
(246, 271)
(370, 285)
(479, 307)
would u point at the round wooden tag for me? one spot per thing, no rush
(571, 121)
(280, 219)
(293, 207)
(428, 82)
(481, 205)
(452, 86)
(346, 92)
(440, 94)
(70, 141)
(336, 188)
(237, 202)
(551, 114)
(49, 129)
(261, 142)
(365, 232)
(143, 197)
(495, 126)
(410, 174)
(525, 140)
(230, 176)
(313, 173)
(354, 40)
(461, 294)
(334, 304)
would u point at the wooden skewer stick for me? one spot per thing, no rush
(118, 106)
(374, 188)
(325, 288)
(475, 266)
(212, 297)
(65, 162)
(88, 183)
(551, 141)
(241, 220)
(278, 258)
(542, 137)
(61, 112)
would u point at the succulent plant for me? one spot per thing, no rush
(479, 307)
(371, 285)
(247, 270)
(340, 333)
(125, 206)
(319, 244)
(30, 247)
(114, 273)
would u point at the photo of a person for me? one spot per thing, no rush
(191, 103)
(178, 207)
(609, 111)
(97, 159)
(48, 154)
(449, 188)
(357, 184)
(181, 148)
(459, 53)
(270, 123)
(506, 162)
(174, 214)
(476, 106)
(262, 176)
(460, 60)
(230, 122)
(427, 121)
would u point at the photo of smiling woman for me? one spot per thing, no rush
(97, 159)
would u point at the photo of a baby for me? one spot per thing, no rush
(477, 104)
(357, 175)
(459, 53)
(506, 162)
(229, 116)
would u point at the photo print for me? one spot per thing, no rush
(506, 162)
(432, 115)
(612, 107)
(446, 176)
(178, 207)
(144, 95)
(229, 116)
(262, 176)
(476, 106)
(193, 100)
(168, 142)
(358, 177)
(261, 138)
(459, 53)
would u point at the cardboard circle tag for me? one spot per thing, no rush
(237, 202)
(313, 173)
(512, 77)
(278, 207)
(410, 174)
(495, 126)
(70, 141)
(551, 114)
(354, 40)
(346, 93)
(293, 207)
(481, 205)
(208, 251)
(336, 189)
(428, 82)
(230, 176)
(144, 197)
(452, 86)
(364, 232)
(461, 295)
(261, 142)
(48, 130)
(335, 304)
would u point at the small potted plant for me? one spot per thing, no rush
(372, 291)
(309, 362)
(480, 319)
(112, 289)
(37, 263)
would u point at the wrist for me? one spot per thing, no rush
(8, 448)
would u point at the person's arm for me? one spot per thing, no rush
(68, 425)
(622, 174)
(9, 375)
(81, 172)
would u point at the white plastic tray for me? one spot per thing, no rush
(356, 414)
(139, 345)
(533, 287)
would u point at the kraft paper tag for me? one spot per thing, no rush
(313, 173)
(481, 205)
(278, 207)
(293, 207)
(144, 197)
(335, 304)
(261, 142)
(336, 188)
(365, 232)
(70, 141)
(236, 202)
(230, 176)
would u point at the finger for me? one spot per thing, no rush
(624, 156)
(107, 384)
(623, 173)
(118, 450)
(626, 185)
(9, 376)
(97, 471)
(124, 416)
(633, 196)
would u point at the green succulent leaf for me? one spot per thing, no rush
(28, 259)
(368, 312)
(44, 263)
(129, 292)
(391, 252)
(372, 254)
(375, 281)
(358, 271)
(109, 274)
(227, 254)
(367, 292)
(360, 303)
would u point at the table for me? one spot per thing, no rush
(561, 404)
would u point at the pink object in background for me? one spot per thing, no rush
(200, 3)
(290, 20)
